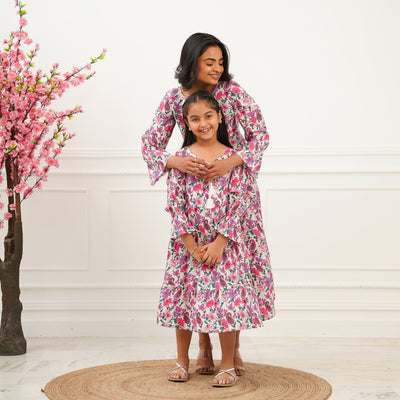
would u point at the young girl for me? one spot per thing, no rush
(207, 285)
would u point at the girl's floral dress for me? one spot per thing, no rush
(239, 108)
(208, 298)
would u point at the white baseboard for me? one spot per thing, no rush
(272, 328)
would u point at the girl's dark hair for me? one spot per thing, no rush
(204, 95)
(193, 48)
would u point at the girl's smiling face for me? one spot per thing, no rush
(203, 121)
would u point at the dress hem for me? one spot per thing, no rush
(232, 329)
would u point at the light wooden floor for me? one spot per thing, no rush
(367, 369)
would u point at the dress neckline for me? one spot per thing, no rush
(218, 158)
(185, 97)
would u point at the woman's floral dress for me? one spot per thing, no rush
(239, 108)
(208, 298)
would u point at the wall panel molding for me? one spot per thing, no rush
(62, 210)
(322, 160)
(315, 296)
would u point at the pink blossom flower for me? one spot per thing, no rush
(7, 216)
(23, 21)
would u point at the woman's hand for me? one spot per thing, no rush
(188, 165)
(212, 252)
(219, 168)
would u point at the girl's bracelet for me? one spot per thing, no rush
(195, 247)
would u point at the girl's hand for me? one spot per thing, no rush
(219, 168)
(198, 253)
(188, 165)
(212, 252)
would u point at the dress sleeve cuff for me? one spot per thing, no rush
(234, 233)
(158, 170)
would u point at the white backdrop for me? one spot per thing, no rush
(326, 77)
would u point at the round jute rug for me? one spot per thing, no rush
(141, 380)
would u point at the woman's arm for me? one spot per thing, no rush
(219, 168)
(250, 118)
(249, 115)
(188, 165)
(156, 138)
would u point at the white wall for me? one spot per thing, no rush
(326, 77)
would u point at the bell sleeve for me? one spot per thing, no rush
(177, 203)
(156, 138)
(238, 203)
(250, 118)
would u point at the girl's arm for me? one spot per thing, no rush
(156, 138)
(194, 249)
(238, 201)
(177, 203)
(213, 251)
(230, 227)
(177, 207)
(250, 117)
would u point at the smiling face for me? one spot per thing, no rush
(203, 121)
(210, 67)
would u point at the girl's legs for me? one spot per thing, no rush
(227, 340)
(182, 344)
(205, 364)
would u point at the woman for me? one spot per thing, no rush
(204, 65)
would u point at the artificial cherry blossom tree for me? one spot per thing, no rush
(31, 137)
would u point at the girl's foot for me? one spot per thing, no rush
(237, 359)
(225, 378)
(205, 363)
(179, 373)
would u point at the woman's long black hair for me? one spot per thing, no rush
(193, 48)
(204, 95)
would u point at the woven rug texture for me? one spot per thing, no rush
(147, 380)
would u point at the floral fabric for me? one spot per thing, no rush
(208, 298)
(239, 109)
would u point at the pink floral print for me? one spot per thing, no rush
(239, 109)
(208, 298)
